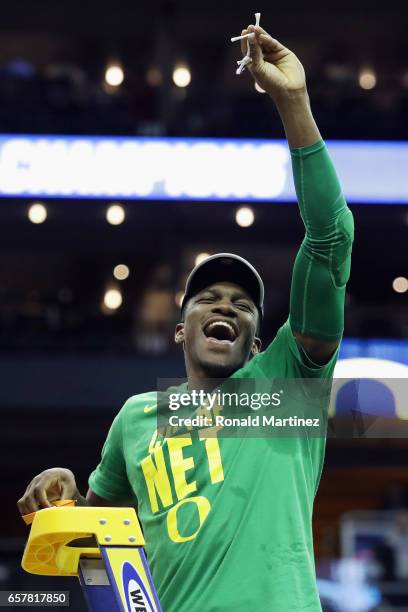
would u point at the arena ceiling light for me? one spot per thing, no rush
(181, 75)
(400, 284)
(114, 75)
(115, 215)
(200, 258)
(367, 78)
(121, 271)
(112, 299)
(245, 216)
(37, 213)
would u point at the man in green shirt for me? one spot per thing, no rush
(227, 521)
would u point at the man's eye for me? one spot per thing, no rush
(244, 306)
(205, 300)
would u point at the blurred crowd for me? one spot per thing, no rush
(63, 98)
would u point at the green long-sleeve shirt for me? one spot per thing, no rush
(322, 266)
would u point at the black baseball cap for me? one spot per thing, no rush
(226, 267)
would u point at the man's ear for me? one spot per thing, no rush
(179, 333)
(256, 346)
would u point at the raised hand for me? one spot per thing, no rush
(274, 67)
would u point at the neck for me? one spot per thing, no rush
(207, 379)
(206, 383)
(200, 378)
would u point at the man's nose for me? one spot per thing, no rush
(224, 307)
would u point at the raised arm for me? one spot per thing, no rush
(322, 265)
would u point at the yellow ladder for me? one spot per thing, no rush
(113, 564)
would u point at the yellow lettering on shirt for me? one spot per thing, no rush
(212, 448)
(163, 483)
(157, 480)
(203, 507)
(154, 442)
(180, 465)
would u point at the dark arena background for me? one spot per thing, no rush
(91, 278)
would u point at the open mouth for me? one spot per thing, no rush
(220, 331)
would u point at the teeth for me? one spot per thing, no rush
(225, 324)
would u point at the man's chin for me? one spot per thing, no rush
(219, 369)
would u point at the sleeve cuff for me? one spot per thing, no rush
(110, 492)
(303, 151)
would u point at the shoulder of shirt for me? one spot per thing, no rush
(136, 402)
(142, 400)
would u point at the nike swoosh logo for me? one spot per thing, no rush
(149, 408)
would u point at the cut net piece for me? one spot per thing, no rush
(247, 58)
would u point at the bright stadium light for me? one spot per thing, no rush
(367, 78)
(114, 75)
(37, 213)
(245, 216)
(115, 215)
(112, 299)
(400, 284)
(121, 272)
(200, 258)
(181, 76)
